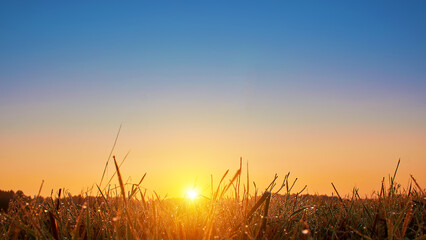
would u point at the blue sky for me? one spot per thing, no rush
(383, 37)
(343, 51)
(198, 67)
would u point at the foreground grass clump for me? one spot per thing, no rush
(230, 212)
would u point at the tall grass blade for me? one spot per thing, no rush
(120, 179)
(110, 154)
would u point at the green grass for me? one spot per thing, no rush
(229, 212)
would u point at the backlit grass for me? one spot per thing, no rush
(235, 209)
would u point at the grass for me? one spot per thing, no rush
(231, 211)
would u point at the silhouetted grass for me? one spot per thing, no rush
(230, 212)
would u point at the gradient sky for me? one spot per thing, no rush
(331, 91)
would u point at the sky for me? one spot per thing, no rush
(330, 91)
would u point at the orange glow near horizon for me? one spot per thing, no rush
(346, 158)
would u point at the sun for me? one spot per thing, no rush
(191, 194)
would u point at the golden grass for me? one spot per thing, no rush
(230, 212)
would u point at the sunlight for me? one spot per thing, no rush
(191, 194)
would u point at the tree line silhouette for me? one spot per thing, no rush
(6, 196)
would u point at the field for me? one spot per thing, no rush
(278, 212)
